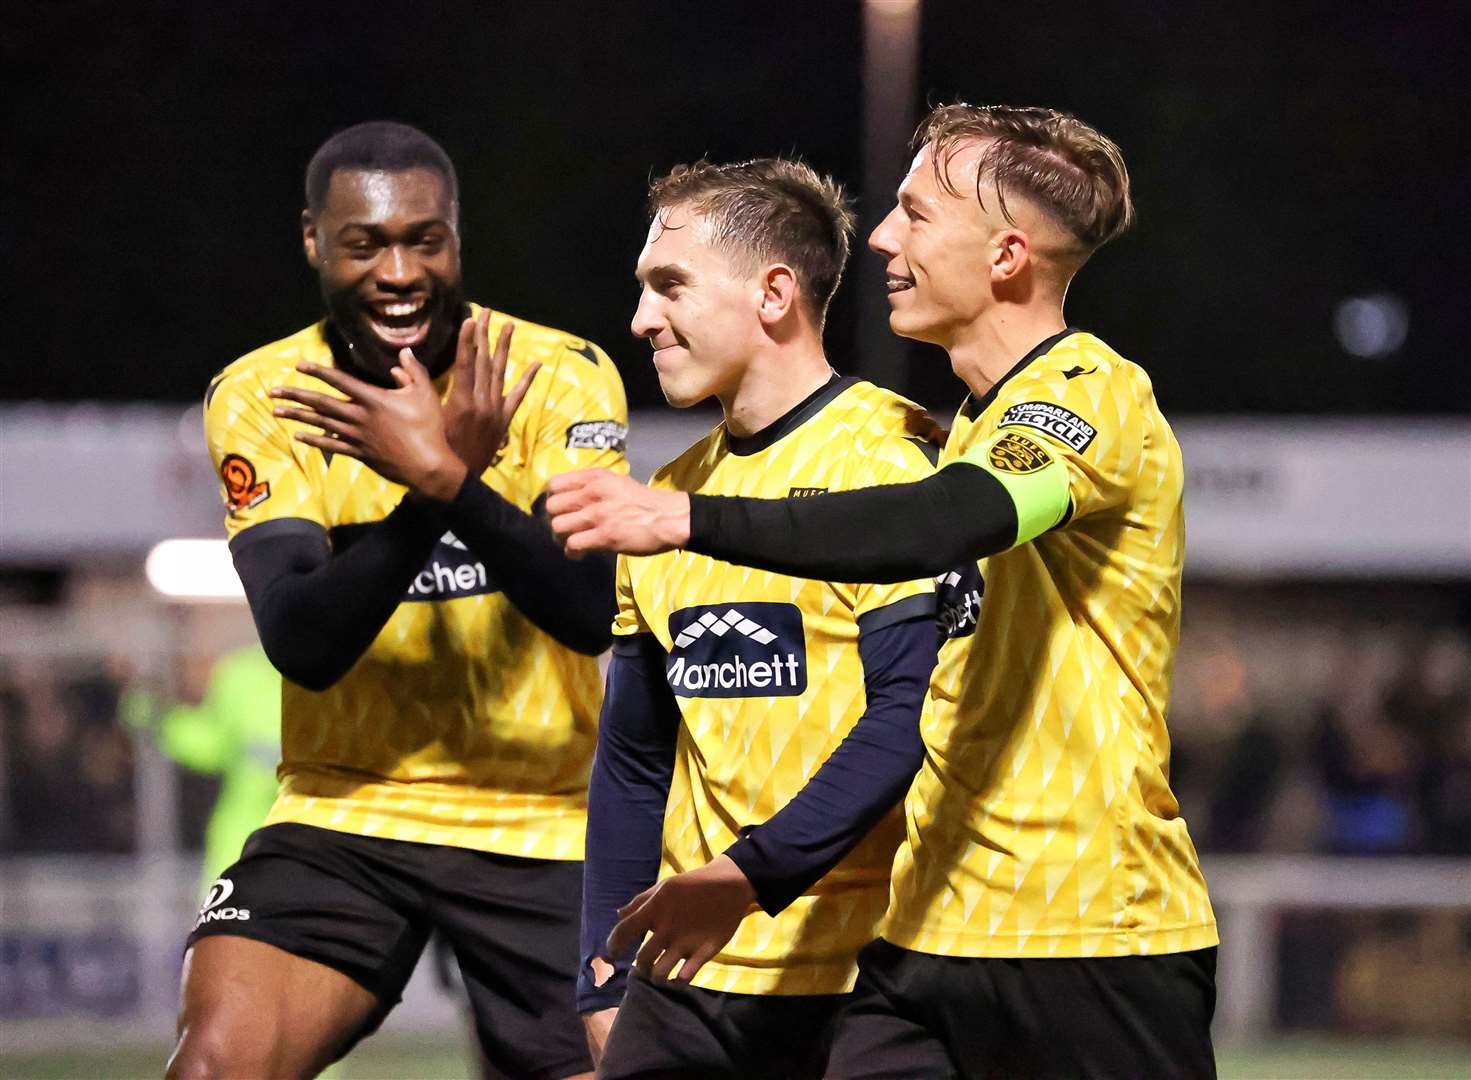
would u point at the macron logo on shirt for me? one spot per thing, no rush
(738, 650)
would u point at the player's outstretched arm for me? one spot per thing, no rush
(637, 734)
(897, 532)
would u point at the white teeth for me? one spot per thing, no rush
(398, 311)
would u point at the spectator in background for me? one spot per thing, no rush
(234, 732)
(1435, 701)
(70, 766)
(1227, 756)
(1366, 760)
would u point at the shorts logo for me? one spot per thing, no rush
(805, 493)
(598, 435)
(1014, 453)
(958, 601)
(451, 572)
(241, 489)
(1054, 420)
(212, 911)
(737, 651)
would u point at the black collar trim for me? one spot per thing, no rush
(972, 407)
(791, 420)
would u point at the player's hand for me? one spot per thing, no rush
(477, 412)
(398, 433)
(598, 510)
(597, 1025)
(688, 919)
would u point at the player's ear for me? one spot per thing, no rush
(778, 293)
(1010, 255)
(309, 240)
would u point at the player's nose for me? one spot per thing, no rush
(885, 238)
(647, 320)
(399, 268)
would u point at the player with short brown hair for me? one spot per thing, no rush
(1048, 914)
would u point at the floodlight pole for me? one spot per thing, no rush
(890, 85)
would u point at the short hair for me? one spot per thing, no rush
(1072, 172)
(377, 146)
(769, 208)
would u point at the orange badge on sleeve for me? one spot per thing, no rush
(241, 489)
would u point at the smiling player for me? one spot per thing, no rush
(1049, 917)
(730, 689)
(440, 694)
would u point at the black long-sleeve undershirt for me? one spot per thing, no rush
(895, 532)
(638, 731)
(319, 605)
(570, 599)
(317, 610)
(861, 780)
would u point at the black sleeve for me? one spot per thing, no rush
(896, 532)
(570, 599)
(637, 735)
(317, 608)
(862, 779)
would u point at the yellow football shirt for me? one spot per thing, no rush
(1041, 822)
(462, 723)
(766, 671)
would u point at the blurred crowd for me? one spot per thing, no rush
(1343, 737)
(1293, 731)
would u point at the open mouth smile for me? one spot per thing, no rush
(400, 324)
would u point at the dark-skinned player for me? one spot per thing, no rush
(440, 693)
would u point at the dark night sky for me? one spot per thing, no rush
(1281, 161)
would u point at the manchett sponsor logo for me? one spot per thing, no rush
(212, 909)
(738, 650)
(451, 572)
(958, 598)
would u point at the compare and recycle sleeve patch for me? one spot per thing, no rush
(597, 435)
(1062, 424)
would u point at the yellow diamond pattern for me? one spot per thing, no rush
(739, 760)
(1042, 822)
(462, 724)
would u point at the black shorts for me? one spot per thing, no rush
(365, 906)
(666, 1030)
(920, 1017)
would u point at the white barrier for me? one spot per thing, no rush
(135, 913)
(1312, 497)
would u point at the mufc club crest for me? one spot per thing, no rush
(242, 490)
(1014, 453)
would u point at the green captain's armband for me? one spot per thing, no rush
(1034, 477)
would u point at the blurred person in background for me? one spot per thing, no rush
(1226, 755)
(1435, 700)
(440, 692)
(69, 762)
(233, 732)
(1367, 759)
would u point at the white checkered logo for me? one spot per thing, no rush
(720, 625)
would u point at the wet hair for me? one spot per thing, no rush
(768, 209)
(378, 146)
(1067, 169)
